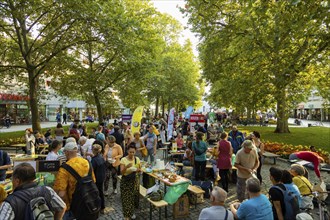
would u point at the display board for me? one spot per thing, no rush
(48, 165)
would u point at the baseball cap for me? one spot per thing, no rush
(70, 139)
(248, 144)
(71, 146)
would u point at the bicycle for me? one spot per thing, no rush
(323, 210)
(6, 123)
(322, 206)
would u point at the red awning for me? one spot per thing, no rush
(13, 97)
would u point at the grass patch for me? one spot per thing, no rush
(306, 136)
(20, 134)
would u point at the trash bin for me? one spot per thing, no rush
(309, 125)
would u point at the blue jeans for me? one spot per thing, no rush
(186, 163)
(293, 157)
(241, 189)
(151, 154)
(68, 216)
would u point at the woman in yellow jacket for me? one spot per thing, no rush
(112, 155)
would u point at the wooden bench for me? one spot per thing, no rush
(196, 191)
(271, 155)
(17, 146)
(157, 204)
(208, 166)
(9, 173)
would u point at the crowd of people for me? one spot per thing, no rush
(111, 150)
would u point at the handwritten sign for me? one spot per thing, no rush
(49, 165)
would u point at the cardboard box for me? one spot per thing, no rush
(181, 207)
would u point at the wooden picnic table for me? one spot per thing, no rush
(180, 179)
(44, 147)
(13, 155)
(271, 155)
(179, 155)
(25, 157)
(7, 185)
(18, 146)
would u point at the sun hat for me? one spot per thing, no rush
(71, 146)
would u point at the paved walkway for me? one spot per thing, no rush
(304, 123)
(23, 127)
(113, 202)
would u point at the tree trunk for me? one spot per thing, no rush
(248, 113)
(98, 106)
(157, 106)
(169, 105)
(33, 84)
(163, 108)
(282, 125)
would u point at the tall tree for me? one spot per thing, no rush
(121, 54)
(34, 34)
(275, 42)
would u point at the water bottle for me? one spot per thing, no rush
(233, 159)
(33, 151)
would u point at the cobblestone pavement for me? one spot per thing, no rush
(114, 201)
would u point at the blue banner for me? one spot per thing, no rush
(170, 124)
(188, 112)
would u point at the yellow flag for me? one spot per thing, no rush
(136, 119)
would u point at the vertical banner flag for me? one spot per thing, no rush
(136, 120)
(211, 117)
(188, 112)
(170, 124)
(126, 118)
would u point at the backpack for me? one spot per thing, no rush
(86, 202)
(207, 186)
(290, 203)
(37, 207)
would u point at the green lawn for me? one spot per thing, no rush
(317, 136)
(18, 136)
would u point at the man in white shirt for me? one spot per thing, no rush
(86, 147)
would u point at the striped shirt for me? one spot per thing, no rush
(7, 212)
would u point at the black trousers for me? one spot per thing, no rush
(99, 186)
(259, 170)
(224, 178)
(200, 170)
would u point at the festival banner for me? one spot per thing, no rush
(212, 117)
(188, 112)
(126, 118)
(199, 118)
(136, 120)
(170, 124)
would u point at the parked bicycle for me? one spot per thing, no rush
(323, 210)
(5, 123)
(322, 206)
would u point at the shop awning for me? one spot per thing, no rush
(13, 97)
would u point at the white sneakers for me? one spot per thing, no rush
(133, 216)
